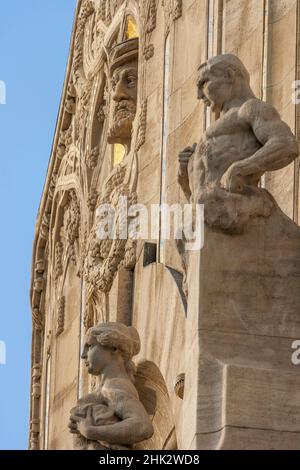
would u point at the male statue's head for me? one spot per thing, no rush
(124, 76)
(110, 344)
(222, 79)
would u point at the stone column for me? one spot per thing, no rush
(241, 387)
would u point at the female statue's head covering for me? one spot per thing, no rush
(118, 336)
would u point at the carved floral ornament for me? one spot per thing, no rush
(58, 269)
(72, 218)
(60, 316)
(172, 9)
(105, 257)
(65, 247)
(67, 244)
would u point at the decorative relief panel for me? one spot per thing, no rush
(172, 9)
(60, 321)
(59, 249)
(150, 8)
(72, 223)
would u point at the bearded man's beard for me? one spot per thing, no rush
(123, 118)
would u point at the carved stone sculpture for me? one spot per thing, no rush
(112, 417)
(105, 257)
(223, 170)
(243, 283)
(124, 76)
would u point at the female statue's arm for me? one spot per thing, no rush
(135, 425)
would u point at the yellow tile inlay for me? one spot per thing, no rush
(131, 29)
(118, 154)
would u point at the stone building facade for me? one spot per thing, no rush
(208, 378)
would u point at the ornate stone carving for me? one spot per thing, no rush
(124, 75)
(177, 10)
(106, 256)
(92, 200)
(108, 9)
(66, 139)
(75, 155)
(87, 8)
(39, 267)
(36, 381)
(52, 185)
(92, 158)
(72, 222)
(103, 10)
(70, 105)
(34, 434)
(224, 169)
(148, 51)
(112, 417)
(59, 249)
(151, 17)
(102, 113)
(142, 126)
(71, 92)
(44, 229)
(60, 152)
(72, 218)
(82, 109)
(173, 10)
(38, 285)
(179, 386)
(37, 319)
(60, 319)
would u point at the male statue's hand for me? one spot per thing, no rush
(182, 175)
(183, 158)
(232, 180)
(185, 155)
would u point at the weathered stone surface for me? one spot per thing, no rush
(241, 336)
(234, 320)
(244, 281)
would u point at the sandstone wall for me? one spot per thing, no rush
(179, 35)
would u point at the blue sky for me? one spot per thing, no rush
(34, 44)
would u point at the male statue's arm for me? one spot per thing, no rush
(183, 176)
(279, 145)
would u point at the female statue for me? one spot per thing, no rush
(112, 417)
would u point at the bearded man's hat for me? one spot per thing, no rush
(123, 53)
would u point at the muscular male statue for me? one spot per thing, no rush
(249, 138)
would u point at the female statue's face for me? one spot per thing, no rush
(95, 356)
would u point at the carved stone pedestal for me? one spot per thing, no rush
(242, 390)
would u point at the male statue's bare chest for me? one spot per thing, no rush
(226, 141)
(228, 125)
